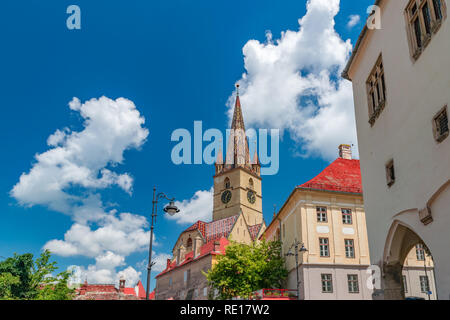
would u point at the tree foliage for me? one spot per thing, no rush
(245, 269)
(23, 278)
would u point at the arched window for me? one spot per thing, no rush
(227, 183)
(189, 243)
(250, 183)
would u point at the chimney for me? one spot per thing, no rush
(197, 246)
(121, 285)
(168, 263)
(345, 151)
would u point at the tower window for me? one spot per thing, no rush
(227, 183)
(250, 183)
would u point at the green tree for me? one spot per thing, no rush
(23, 278)
(245, 269)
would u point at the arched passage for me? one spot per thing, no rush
(402, 245)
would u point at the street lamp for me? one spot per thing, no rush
(302, 250)
(171, 209)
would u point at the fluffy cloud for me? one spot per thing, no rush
(94, 274)
(80, 159)
(294, 83)
(160, 261)
(123, 234)
(199, 207)
(353, 20)
(67, 178)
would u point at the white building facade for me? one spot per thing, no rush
(401, 84)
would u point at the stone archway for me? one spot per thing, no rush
(401, 239)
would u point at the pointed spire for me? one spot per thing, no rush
(238, 119)
(255, 158)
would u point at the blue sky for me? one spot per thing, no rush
(177, 61)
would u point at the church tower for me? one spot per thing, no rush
(237, 182)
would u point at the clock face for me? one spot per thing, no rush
(251, 197)
(226, 196)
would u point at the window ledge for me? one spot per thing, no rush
(377, 112)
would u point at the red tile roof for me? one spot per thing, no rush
(206, 249)
(254, 230)
(342, 176)
(214, 230)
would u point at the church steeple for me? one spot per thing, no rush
(237, 182)
(237, 153)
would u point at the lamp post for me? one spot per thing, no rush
(171, 209)
(425, 254)
(302, 250)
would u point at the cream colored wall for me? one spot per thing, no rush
(415, 92)
(183, 241)
(239, 180)
(299, 219)
(240, 231)
(411, 260)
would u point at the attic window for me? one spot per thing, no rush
(440, 125)
(390, 173)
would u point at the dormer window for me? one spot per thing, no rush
(189, 244)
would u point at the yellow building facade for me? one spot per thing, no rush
(327, 215)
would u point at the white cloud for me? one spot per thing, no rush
(80, 159)
(94, 274)
(67, 177)
(353, 20)
(294, 83)
(199, 207)
(160, 261)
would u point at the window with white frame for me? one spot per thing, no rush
(424, 18)
(321, 214)
(324, 247)
(424, 285)
(327, 283)
(346, 216)
(376, 91)
(205, 291)
(353, 285)
(349, 248)
(420, 253)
